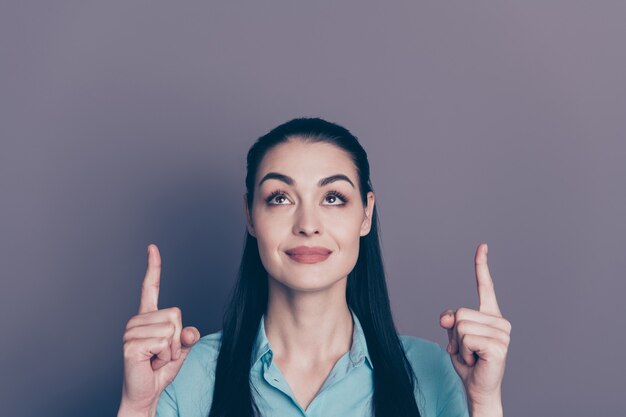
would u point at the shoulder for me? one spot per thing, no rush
(420, 347)
(191, 391)
(427, 358)
(441, 390)
(424, 354)
(201, 361)
(206, 350)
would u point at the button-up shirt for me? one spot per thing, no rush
(346, 392)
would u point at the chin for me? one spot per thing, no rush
(306, 284)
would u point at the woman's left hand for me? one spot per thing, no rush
(479, 341)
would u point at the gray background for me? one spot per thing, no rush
(127, 122)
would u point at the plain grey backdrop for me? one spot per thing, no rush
(124, 123)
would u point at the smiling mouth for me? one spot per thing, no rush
(308, 254)
(310, 258)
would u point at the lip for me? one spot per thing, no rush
(308, 254)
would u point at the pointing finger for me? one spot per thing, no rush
(486, 293)
(151, 282)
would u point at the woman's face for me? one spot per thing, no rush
(291, 209)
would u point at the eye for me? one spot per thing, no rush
(278, 198)
(273, 197)
(336, 196)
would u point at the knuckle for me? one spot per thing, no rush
(164, 342)
(131, 323)
(500, 335)
(462, 312)
(461, 326)
(507, 325)
(175, 314)
(147, 286)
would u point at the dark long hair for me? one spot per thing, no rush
(366, 295)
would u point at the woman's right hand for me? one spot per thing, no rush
(155, 346)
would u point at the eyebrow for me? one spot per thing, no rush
(290, 181)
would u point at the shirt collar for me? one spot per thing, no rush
(358, 350)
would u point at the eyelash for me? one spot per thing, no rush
(333, 193)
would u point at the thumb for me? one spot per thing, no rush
(447, 319)
(189, 336)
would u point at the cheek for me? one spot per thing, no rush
(346, 231)
(348, 240)
(271, 233)
(346, 224)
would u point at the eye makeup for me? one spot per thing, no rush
(331, 193)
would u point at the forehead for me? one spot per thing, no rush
(307, 162)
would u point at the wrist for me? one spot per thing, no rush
(492, 408)
(126, 410)
(489, 412)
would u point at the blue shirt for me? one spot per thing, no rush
(347, 391)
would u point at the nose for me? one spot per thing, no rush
(307, 221)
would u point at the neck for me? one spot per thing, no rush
(308, 327)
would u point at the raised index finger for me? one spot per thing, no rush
(151, 282)
(486, 293)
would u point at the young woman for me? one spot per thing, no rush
(308, 330)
